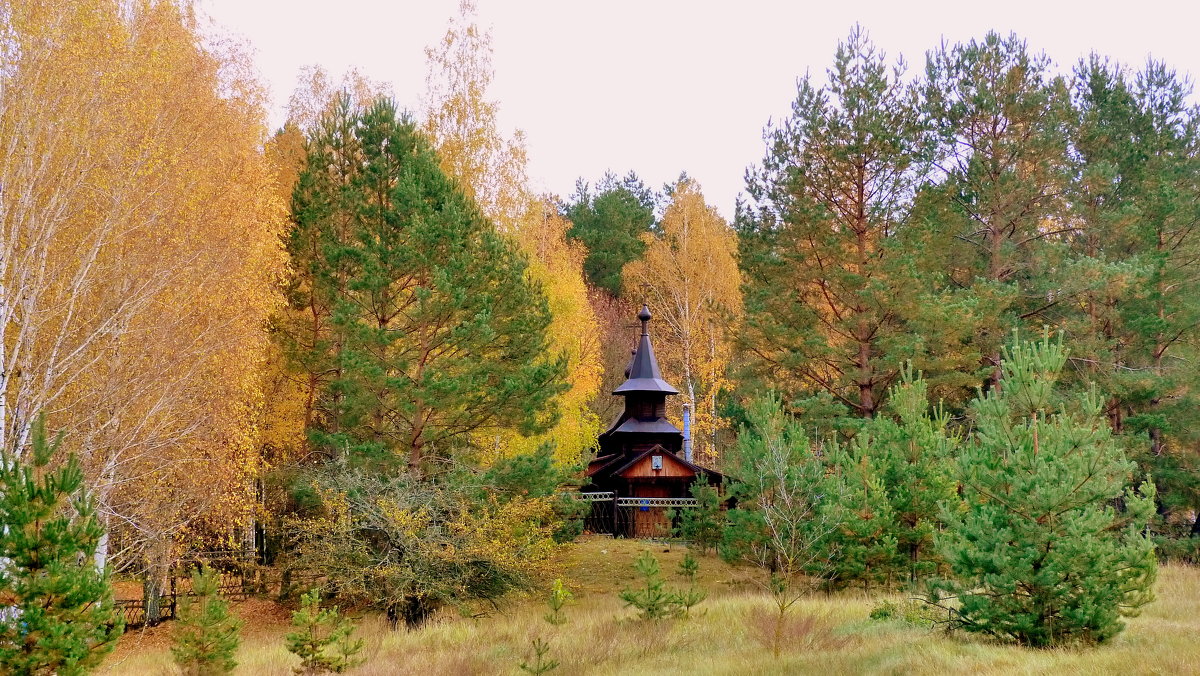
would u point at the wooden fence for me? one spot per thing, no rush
(133, 611)
(651, 518)
(239, 576)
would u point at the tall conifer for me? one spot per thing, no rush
(1137, 202)
(996, 117)
(610, 222)
(433, 330)
(1041, 554)
(826, 291)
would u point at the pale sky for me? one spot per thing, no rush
(662, 86)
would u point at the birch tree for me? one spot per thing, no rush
(827, 290)
(490, 167)
(138, 256)
(689, 275)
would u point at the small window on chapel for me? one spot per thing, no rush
(656, 462)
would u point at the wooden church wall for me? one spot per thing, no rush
(669, 469)
(651, 522)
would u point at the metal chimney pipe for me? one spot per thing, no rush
(687, 432)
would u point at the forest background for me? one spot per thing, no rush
(369, 321)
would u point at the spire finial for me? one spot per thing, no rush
(644, 375)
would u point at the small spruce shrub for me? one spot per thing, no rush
(916, 613)
(322, 638)
(58, 615)
(558, 599)
(542, 662)
(693, 595)
(702, 526)
(654, 600)
(206, 635)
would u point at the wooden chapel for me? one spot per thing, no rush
(639, 454)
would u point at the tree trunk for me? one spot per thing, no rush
(866, 391)
(777, 639)
(100, 558)
(152, 596)
(995, 273)
(155, 578)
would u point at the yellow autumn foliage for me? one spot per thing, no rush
(514, 535)
(396, 542)
(139, 235)
(690, 277)
(492, 169)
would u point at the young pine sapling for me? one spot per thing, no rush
(654, 599)
(206, 637)
(693, 595)
(542, 663)
(322, 638)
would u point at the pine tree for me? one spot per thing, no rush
(610, 223)
(461, 120)
(320, 221)
(558, 599)
(703, 525)
(59, 617)
(689, 598)
(862, 546)
(1136, 197)
(911, 453)
(655, 601)
(1167, 316)
(1050, 546)
(1106, 199)
(433, 331)
(206, 635)
(542, 662)
(827, 291)
(997, 117)
(322, 638)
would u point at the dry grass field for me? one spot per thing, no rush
(828, 634)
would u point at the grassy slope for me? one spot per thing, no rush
(830, 634)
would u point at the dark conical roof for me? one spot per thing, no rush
(644, 375)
